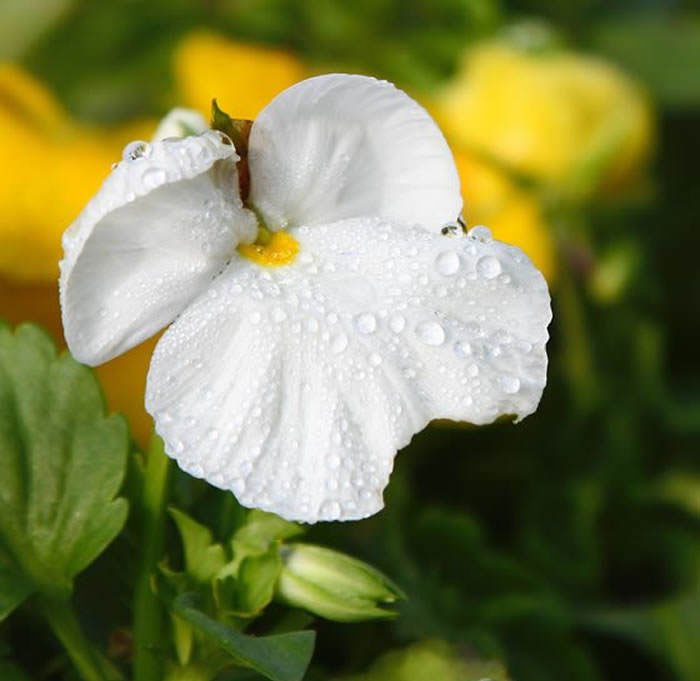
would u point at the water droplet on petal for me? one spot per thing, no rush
(153, 177)
(480, 233)
(366, 323)
(339, 343)
(462, 349)
(136, 149)
(375, 360)
(488, 267)
(447, 263)
(510, 384)
(278, 315)
(330, 510)
(397, 323)
(431, 333)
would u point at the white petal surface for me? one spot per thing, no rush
(295, 386)
(163, 224)
(339, 146)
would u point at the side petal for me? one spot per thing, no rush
(164, 223)
(339, 146)
(295, 386)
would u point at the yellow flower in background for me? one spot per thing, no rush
(242, 77)
(564, 119)
(513, 214)
(50, 165)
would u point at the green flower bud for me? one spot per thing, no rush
(334, 585)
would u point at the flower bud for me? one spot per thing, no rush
(334, 585)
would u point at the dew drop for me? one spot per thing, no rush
(366, 323)
(397, 323)
(510, 384)
(330, 510)
(431, 333)
(278, 315)
(153, 177)
(447, 263)
(136, 149)
(488, 267)
(462, 349)
(375, 360)
(480, 233)
(339, 343)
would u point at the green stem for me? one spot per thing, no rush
(64, 623)
(148, 610)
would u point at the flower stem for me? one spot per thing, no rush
(148, 610)
(61, 617)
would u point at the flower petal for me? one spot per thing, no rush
(163, 224)
(294, 386)
(339, 146)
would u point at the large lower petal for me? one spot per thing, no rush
(340, 146)
(163, 224)
(295, 386)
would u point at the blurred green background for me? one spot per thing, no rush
(566, 548)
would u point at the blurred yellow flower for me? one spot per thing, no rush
(49, 168)
(564, 119)
(513, 214)
(242, 77)
(51, 165)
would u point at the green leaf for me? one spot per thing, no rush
(281, 657)
(258, 532)
(253, 587)
(63, 463)
(203, 558)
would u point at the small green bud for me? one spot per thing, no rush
(334, 585)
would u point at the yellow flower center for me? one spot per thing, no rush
(272, 249)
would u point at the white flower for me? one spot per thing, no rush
(295, 368)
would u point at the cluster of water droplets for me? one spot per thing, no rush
(317, 372)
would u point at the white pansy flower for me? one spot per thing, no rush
(322, 323)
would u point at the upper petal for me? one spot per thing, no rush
(295, 386)
(163, 224)
(340, 146)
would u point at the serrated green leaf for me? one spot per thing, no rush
(63, 462)
(281, 657)
(203, 558)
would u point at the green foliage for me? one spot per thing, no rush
(662, 51)
(280, 657)
(63, 462)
